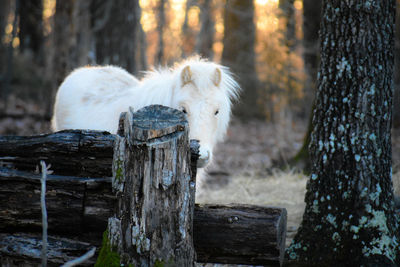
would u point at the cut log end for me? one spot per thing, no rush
(240, 234)
(155, 121)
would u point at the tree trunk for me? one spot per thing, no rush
(205, 38)
(153, 223)
(63, 31)
(311, 25)
(71, 41)
(290, 41)
(4, 12)
(141, 46)
(31, 29)
(158, 60)
(238, 53)
(115, 26)
(349, 218)
(187, 33)
(8, 74)
(287, 9)
(396, 98)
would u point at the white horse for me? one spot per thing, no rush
(93, 98)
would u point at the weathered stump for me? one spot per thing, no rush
(155, 191)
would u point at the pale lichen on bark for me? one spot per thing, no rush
(350, 212)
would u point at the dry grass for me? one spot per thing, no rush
(241, 172)
(280, 189)
(396, 183)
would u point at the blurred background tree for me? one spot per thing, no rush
(238, 53)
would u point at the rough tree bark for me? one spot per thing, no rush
(396, 98)
(155, 190)
(238, 53)
(72, 153)
(349, 218)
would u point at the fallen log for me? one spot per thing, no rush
(73, 152)
(222, 233)
(80, 153)
(79, 207)
(25, 250)
(76, 206)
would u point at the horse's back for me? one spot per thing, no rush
(91, 95)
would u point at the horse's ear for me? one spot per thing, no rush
(216, 77)
(186, 75)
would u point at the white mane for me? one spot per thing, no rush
(169, 79)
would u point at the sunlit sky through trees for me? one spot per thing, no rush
(266, 19)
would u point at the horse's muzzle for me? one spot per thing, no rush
(203, 159)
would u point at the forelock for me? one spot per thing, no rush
(202, 72)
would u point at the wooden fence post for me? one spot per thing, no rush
(153, 222)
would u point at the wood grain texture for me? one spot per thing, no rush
(153, 222)
(23, 249)
(80, 207)
(77, 207)
(72, 152)
(240, 234)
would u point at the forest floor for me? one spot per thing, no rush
(243, 167)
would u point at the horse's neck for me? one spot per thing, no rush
(156, 90)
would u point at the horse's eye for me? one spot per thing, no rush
(184, 110)
(216, 112)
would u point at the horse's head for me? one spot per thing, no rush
(205, 93)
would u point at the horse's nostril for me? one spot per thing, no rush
(205, 155)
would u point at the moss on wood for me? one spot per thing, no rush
(107, 256)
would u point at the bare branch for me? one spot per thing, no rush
(81, 259)
(44, 212)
